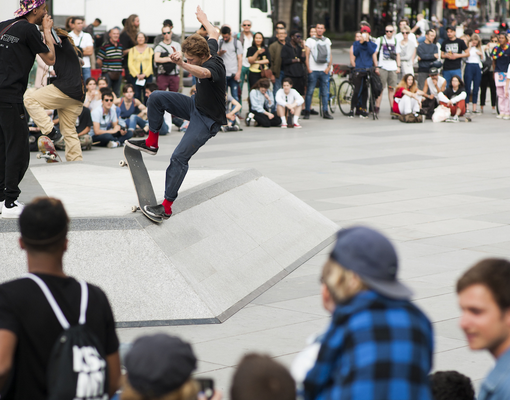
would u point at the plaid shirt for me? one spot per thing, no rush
(376, 348)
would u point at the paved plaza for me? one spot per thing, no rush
(440, 191)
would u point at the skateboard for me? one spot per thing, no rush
(47, 150)
(141, 180)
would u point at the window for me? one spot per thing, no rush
(260, 4)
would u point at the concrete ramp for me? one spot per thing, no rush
(230, 239)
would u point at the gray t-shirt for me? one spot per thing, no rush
(230, 57)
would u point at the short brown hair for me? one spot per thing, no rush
(494, 274)
(196, 45)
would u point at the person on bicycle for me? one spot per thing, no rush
(364, 56)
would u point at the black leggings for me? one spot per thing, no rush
(360, 84)
(253, 77)
(488, 81)
(264, 121)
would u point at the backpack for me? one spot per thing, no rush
(165, 68)
(235, 43)
(410, 118)
(321, 51)
(77, 368)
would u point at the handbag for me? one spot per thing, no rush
(268, 74)
(114, 75)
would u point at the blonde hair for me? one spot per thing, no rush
(403, 84)
(479, 41)
(187, 391)
(405, 29)
(342, 283)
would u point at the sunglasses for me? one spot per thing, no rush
(108, 100)
(167, 33)
(246, 24)
(298, 36)
(389, 31)
(404, 33)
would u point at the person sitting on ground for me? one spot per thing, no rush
(260, 377)
(454, 97)
(289, 104)
(102, 83)
(373, 311)
(261, 101)
(159, 367)
(234, 106)
(93, 95)
(451, 385)
(107, 130)
(407, 98)
(434, 85)
(130, 110)
(83, 127)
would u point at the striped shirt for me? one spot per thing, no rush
(111, 56)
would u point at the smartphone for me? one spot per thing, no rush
(206, 387)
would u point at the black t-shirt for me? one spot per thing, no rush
(262, 56)
(83, 120)
(126, 42)
(18, 48)
(25, 311)
(450, 93)
(68, 70)
(210, 97)
(456, 46)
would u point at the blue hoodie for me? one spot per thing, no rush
(363, 53)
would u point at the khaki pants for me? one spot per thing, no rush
(51, 98)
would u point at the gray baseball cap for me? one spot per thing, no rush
(433, 71)
(372, 256)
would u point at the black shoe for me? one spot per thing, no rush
(351, 114)
(140, 145)
(54, 135)
(233, 128)
(327, 115)
(306, 114)
(157, 211)
(313, 112)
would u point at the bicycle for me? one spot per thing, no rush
(332, 97)
(346, 92)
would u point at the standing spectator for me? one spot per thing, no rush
(488, 76)
(293, 62)
(373, 311)
(279, 26)
(128, 37)
(90, 28)
(84, 43)
(472, 71)
(168, 72)
(128, 111)
(261, 102)
(407, 51)
(389, 64)
(16, 61)
(167, 23)
(452, 50)
(28, 326)
(140, 64)
(501, 60)
(258, 57)
(289, 103)
(422, 25)
(246, 39)
(109, 59)
(275, 50)
(69, 24)
(407, 99)
(107, 130)
(427, 53)
(365, 57)
(454, 97)
(412, 37)
(231, 51)
(318, 64)
(484, 300)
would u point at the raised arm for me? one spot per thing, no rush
(202, 18)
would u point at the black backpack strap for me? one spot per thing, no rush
(8, 27)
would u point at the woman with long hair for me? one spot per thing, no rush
(259, 59)
(407, 50)
(473, 71)
(488, 76)
(407, 98)
(127, 37)
(261, 102)
(140, 64)
(454, 97)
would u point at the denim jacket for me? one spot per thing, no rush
(497, 384)
(258, 101)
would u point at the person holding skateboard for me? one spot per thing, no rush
(206, 110)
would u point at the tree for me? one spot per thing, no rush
(181, 72)
(305, 19)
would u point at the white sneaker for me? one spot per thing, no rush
(500, 116)
(284, 126)
(14, 212)
(494, 111)
(111, 144)
(506, 117)
(452, 119)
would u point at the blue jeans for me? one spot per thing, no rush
(108, 137)
(277, 86)
(448, 75)
(234, 87)
(323, 80)
(86, 74)
(200, 130)
(131, 122)
(139, 90)
(472, 74)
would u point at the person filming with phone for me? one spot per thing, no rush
(20, 42)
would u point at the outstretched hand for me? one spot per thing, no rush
(176, 58)
(202, 18)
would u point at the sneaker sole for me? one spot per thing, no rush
(134, 146)
(152, 215)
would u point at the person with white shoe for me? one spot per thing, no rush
(289, 103)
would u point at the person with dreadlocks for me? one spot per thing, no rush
(65, 94)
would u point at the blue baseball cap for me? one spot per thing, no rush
(372, 256)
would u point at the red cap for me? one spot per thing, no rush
(365, 29)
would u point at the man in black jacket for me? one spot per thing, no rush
(293, 61)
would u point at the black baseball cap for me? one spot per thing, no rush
(433, 71)
(168, 22)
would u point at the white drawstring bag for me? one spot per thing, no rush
(441, 113)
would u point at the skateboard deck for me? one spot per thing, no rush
(141, 180)
(47, 150)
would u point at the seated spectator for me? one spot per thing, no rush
(451, 385)
(149, 89)
(454, 97)
(107, 130)
(259, 377)
(140, 59)
(261, 101)
(159, 367)
(84, 128)
(129, 111)
(258, 57)
(373, 315)
(92, 95)
(433, 85)
(289, 101)
(407, 98)
(232, 122)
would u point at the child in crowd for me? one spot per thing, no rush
(289, 101)
(454, 97)
(92, 95)
(261, 101)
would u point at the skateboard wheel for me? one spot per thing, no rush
(38, 156)
(122, 163)
(134, 208)
(53, 156)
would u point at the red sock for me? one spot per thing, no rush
(168, 206)
(152, 140)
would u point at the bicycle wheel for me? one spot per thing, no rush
(332, 95)
(344, 97)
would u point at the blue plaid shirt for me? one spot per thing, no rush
(376, 348)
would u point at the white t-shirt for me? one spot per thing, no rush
(432, 88)
(162, 47)
(384, 46)
(311, 43)
(105, 120)
(423, 25)
(406, 52)
(84, 40)
(283, 99)
(473, 58)
(411, 37)
(248, 41)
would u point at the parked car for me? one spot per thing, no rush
(485, 31)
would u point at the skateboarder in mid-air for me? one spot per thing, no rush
(205, 111)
